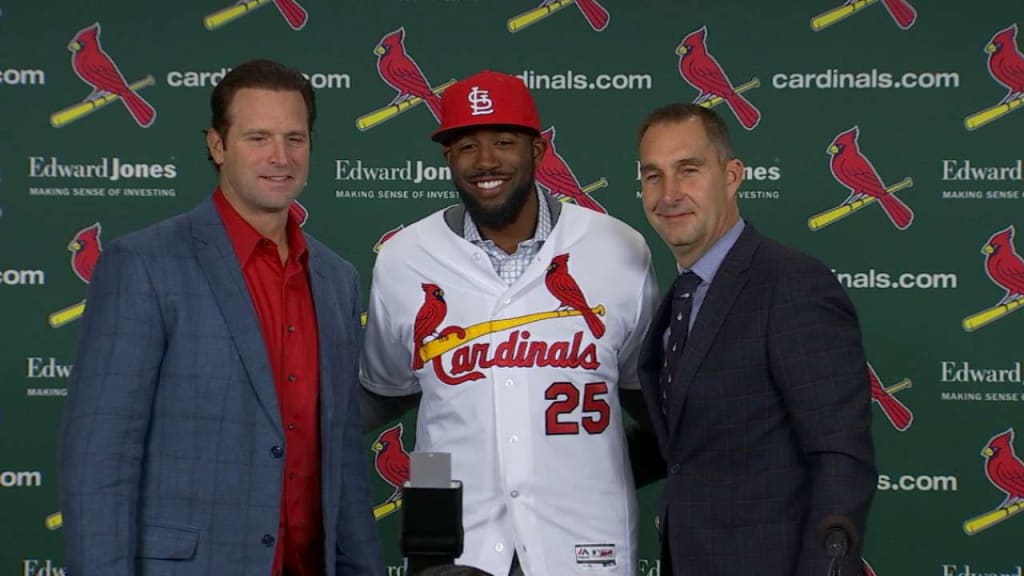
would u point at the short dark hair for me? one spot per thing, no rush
(265, 74)
(261, 74)
(715, 128)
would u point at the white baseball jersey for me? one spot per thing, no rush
(518, 386)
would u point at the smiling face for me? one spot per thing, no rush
(688, 190)
(493, 171)
(264, 153)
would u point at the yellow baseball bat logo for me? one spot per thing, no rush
(83, 109)
(832, 215)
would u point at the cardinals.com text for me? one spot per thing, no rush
(29, 77)
(22, 277)
(874, 279)
(837, 79)
(570, 80)
(917, 483)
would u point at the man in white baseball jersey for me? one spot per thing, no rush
(517, 319)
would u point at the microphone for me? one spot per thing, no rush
(838, 535)
(432, 533)
(836, 543)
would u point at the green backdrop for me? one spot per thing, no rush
(920, 92)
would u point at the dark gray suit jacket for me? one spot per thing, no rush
(768, 432)
(171, 455)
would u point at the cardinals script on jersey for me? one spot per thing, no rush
(520, 383)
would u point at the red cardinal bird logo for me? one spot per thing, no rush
(595, 14)
(897, 413)
(901, 11)
(703, 72)
(1003, 468)
(1006, 63)
(95, 68)
(563, 287)
(555, 175)
(85, 251)
(403, 74)
(391, 460)
(854, 171)
(429, 317)
(385, 237)
(1003, 265)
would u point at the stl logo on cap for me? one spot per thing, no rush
(901, 11)
(1005, 268)
(480, 102)
(291, 10)
(1006, 66)
(95, 67)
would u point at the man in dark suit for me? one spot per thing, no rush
(212, 425)
(754, 376)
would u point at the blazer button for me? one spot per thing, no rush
(277, 451)
(674, 469)
(267, 540)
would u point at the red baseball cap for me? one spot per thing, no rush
(487, 99)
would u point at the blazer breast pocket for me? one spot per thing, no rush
(160, 541)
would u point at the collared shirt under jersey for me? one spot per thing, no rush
(283, 301)
(511, 266)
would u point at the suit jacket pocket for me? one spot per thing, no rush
(168, 542)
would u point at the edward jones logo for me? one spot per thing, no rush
(356, 172)
(761, 176)
(997, 182)
(593, 12)
(39, 567)
(981, 383)
(106, 169)
(292, 12)
(902, 13)
(96, 68)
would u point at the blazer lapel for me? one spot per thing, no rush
(727, 285)
(218, 261)
(328, 328)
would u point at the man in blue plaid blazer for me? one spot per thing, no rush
(754, 376)
(177, 431)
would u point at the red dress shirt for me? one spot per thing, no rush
(284, 304)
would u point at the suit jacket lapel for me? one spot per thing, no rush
(218, 261)
(726, 286)
(328, 328)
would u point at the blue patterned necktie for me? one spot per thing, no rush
(678, 329)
